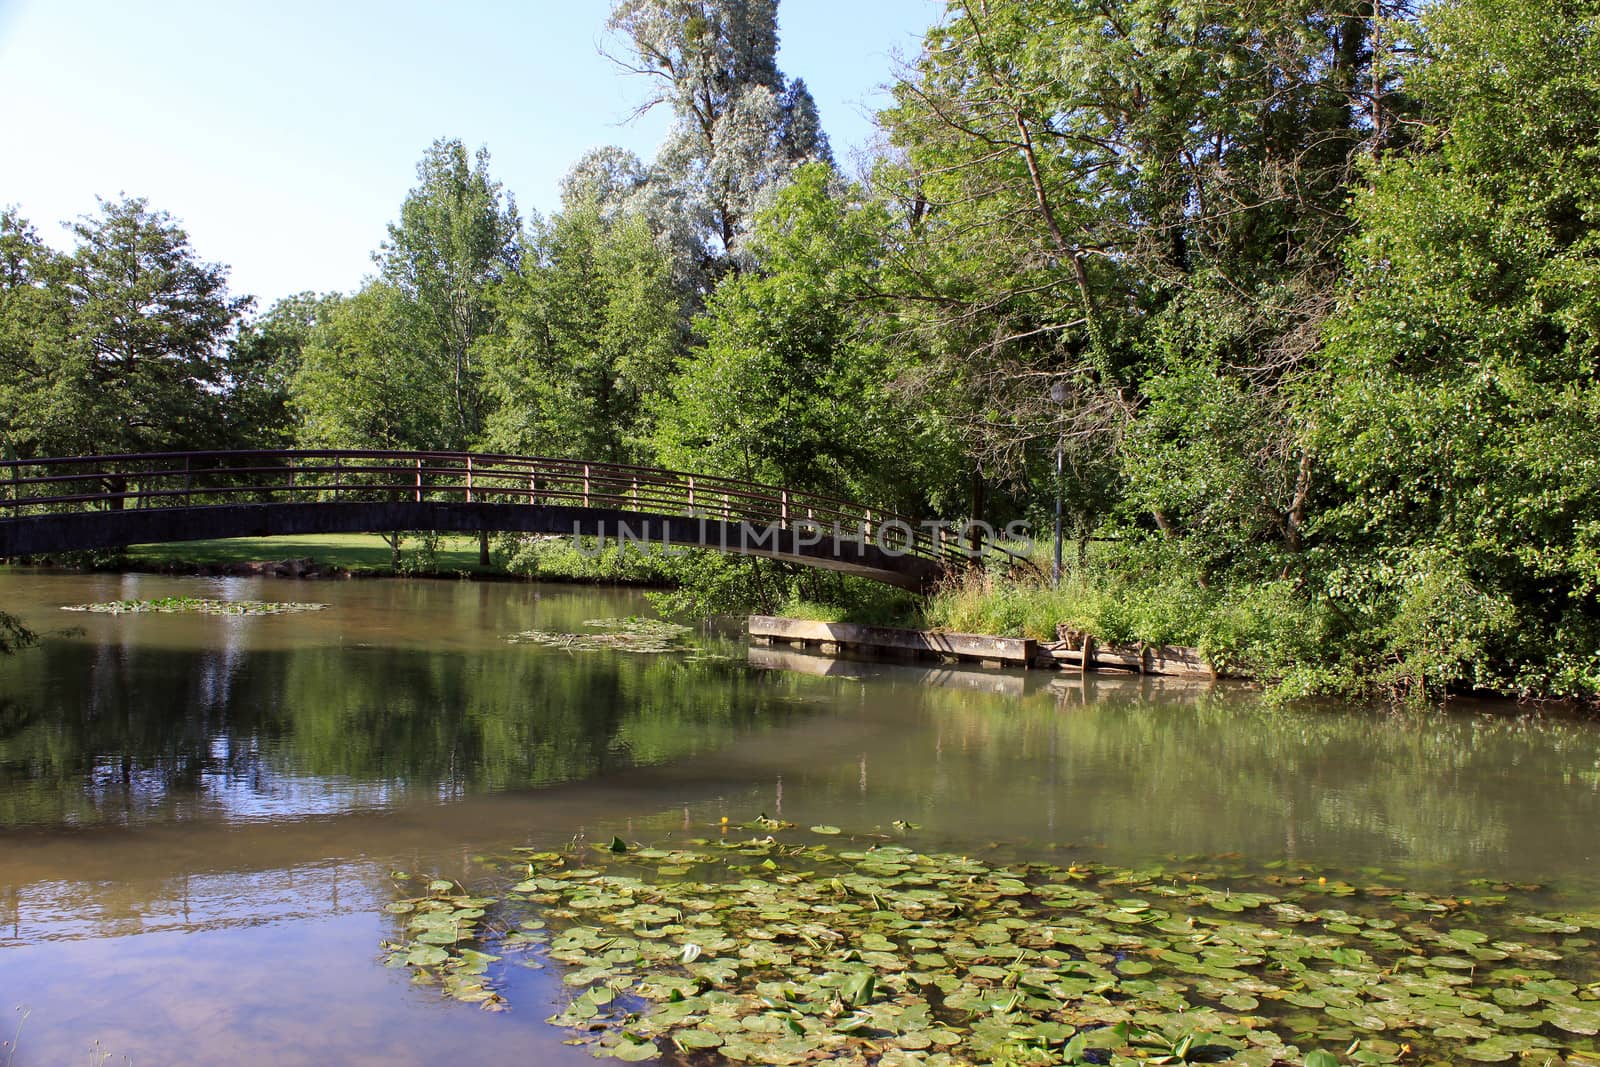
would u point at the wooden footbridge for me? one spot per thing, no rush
(52, 506)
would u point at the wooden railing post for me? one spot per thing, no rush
(691, 494)
(188, 483)
(635, 492)
(419, 481)
(469, 477)
(585, 485)
(783, 508)
(338, 476)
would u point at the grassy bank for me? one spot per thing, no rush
(554, 559)
(1262, 630)
(357, 553)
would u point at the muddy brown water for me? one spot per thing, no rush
(200, 816)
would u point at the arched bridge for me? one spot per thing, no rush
(80, 503)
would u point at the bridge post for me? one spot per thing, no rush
(585, 485)
(635, 492)
(188, 483)
(783, 508)
(419, 481)
(691, 494)
(469, 477)
(533, 487)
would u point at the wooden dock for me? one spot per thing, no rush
(1081, 654)
(837, 636)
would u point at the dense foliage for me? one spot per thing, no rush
(1301, 297)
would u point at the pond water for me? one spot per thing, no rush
(202, 817)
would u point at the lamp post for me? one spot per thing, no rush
(1058, 395)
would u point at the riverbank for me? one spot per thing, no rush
(310, 556)
(343, 556)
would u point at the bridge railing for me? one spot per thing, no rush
(199, 479)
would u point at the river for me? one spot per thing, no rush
(201, 817)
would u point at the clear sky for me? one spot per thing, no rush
(283, 134)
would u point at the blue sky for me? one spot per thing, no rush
(284, 134)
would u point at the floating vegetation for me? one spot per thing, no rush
(439, 926)
(189, 605)
(773, 952)
(618, 635)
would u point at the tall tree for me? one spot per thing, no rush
(266, 357)
(788, 387)
(1458, 399)
(1098, 195)
(154, 321)
(42, 374)
(121, 345)
(591, 327)
(739, 127)
(365, 380)
(457, 237)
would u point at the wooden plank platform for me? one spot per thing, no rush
(1000, 651)
(1084, 654)
(1146, 659)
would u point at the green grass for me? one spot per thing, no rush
(356, 552)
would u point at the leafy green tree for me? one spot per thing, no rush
(121, 345)
(153, 321)
(456, 238)
(784, 388)
(365, 381)
(1459, 396)
(41, 372)
(790, 385)
(590, 328)
(1100, 196)
(266, 357)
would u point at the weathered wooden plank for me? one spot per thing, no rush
(1016, 651)
(1170, 660)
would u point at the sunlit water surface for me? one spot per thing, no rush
(200, 816)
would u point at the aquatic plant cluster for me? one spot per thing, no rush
(773, 951)
(188, 605)
(631, 634)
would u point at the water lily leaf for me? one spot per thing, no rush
(426, 956)
(830, 830)
(695, 1040)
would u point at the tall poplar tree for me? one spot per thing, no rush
(456, 238)
(739, 127)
